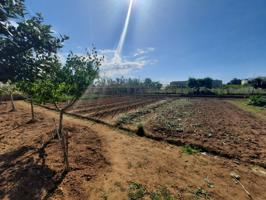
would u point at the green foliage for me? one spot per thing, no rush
(162, 194)
(136, 191)
(8, 88)
(200, 192)
(197, 83)
(235, 81)
(128, 86)
(193, 83)
(168, 120)
(69, 80)
(26, 45)
(257, 101)
(187, 149)
(258, 83)
(230, 86)
(10, 9)
(133, 117)
(201, 91)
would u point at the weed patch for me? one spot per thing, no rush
(201, 193)
(162, 194)
(136, 191)
(257, 101)
(187, 149)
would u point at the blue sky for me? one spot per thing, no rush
(166, 39)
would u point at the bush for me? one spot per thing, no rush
(201, 91)
(257, 101)
(141, 131)
(136, 191)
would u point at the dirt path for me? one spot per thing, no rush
(155, 165)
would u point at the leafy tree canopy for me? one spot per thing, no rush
(129, 83)
(69, 81)
(26, 44)
(258, 83)
(235, 81)
(197, 83)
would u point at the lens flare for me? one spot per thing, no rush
(124, 34)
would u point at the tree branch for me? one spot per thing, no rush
(72, 102)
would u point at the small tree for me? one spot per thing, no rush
(68, 83)
(9, 89)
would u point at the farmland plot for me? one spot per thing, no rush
(106, 163)
(109, 109)
(214, 125)
(141, 116)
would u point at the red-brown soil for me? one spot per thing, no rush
(106, 161)
(31, 164)
(220, 127)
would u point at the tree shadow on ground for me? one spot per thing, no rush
(23, 175)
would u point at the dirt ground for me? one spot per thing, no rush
(219, 127)
(106, 162)
(31, 164)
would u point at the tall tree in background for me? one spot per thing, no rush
(258, 83)
(235, 81)
(193, 83)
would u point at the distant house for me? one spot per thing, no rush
(179, 84)
(217, 83)
(244, 81)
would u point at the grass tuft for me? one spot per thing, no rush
(187, 149)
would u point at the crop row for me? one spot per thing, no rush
(169, 120)
(97, 107)
(115, 111)
(129, 118)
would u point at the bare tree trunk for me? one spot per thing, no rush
(64, 140)
(32, 110)
(12, 103)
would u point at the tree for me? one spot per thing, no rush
(2, 92)
(197, 83)
(193, 83)
(27, 49)
(9, 89)
(10, 9)
(207, 83)
(148, 82)
(258, 83)
(68, 82)
(235, 81)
